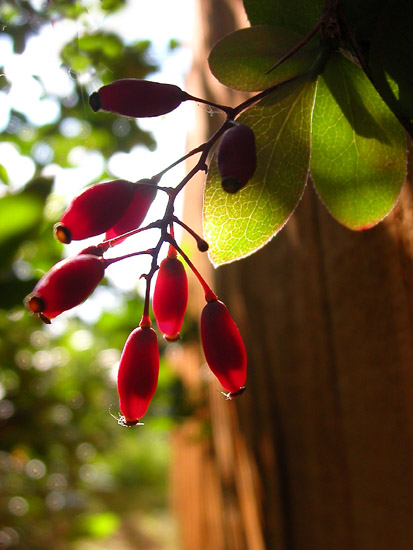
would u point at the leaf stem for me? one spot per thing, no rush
(298, 46)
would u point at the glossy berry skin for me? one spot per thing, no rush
(135, 213)
(138, 373)
(137, 98)
(236, 157)
(94, 250)
(95, 210)
(66, 285)
(223, 346)
(170, 298)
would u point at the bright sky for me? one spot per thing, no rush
(156, 20)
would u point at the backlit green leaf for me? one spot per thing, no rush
(4, 177)
(99, 525)
(238, 225)
(18, 214)
(358, 161)
(241, 59)
(108, 44)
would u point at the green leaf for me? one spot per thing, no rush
(111, 5)
(99, 525)
(363, 16)
(391, 57)
(297, 15)
(4, 177)
(19, 214)
(108, 44)
(74, 59)
(358, 161)
(238, 225)
(241, 59)
(13, 291)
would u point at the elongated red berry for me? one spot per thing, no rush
(236, 157)
(136, 211)
(137, 98)
(95, 210)
(138, 373)
(223, 346)
(170, 298)
(66, 285)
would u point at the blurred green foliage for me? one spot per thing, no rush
(68, 471)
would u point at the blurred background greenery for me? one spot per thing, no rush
(70, 476)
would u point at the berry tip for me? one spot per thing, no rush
(171, 337)
(94, 101)
(231, 185)
(62, 233)
(203, 246)
(35, 303)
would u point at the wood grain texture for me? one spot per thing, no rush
(318, 452)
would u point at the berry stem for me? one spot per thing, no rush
(201, 243)
(210, 296)
(224, 108)
(182, 159)
(110, 261)
(146, 320)
(112, 242)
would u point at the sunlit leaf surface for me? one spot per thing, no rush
(237, 225)
(358, 161)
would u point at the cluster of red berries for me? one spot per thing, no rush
(117, 209)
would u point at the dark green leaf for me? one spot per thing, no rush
(358, 161)
(13, 291)
(237, 225)
(241, 59)
(363, 16)
(39, 187)
(297, 15)
(111, 5)
(391, 57)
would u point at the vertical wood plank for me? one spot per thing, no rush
(318, 452)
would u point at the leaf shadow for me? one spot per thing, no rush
(353, 106)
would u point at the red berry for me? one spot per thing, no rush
(66, 285)
(138, 373)
(136, 211)
(223, 346)
(95, 210)
(236, 157)
(170, 297)
(137, 98)
(95, 250)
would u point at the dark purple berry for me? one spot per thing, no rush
(137, 98)
(236, 157)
